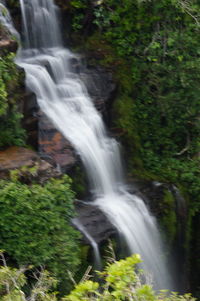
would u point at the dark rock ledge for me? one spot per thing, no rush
(94, 222)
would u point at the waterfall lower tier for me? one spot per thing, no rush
(62, 96)
(138, 229)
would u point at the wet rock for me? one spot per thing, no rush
(53, 146)
(153, 193)
(95, 222)
(30, 120)
(7, 43)
(100, 86)
(29, 165)
(43, 135)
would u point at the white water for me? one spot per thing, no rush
(92, 242)
(64, 99)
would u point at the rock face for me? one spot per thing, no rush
(154, 194)
(29, 165)
(53, 146)
(100, 86)
(94, 222)
(44, 137)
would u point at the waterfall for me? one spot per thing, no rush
(63, 97)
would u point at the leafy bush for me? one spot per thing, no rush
(120, 282)
(35, 225)
(12, 282)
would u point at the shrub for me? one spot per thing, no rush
(35, 225)
(120, 282)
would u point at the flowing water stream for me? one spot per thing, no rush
(63, 97)
(97, 256)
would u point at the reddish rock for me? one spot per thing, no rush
(15, 157)
(43, 135)
(53, 146)
(23, 160)
(7, 43)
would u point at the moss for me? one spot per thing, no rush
(11, 83)
(79, 184)
(169, 220)
(24, 173)
(83, 256)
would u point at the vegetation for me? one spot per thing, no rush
(120, 282)
(35, 225)
(11, 131)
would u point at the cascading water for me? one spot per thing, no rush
(64, 99)
(92, 242)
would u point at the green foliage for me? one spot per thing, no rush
(11, 132)
(12, 282)
(164, 75)
(35, 225)
(78, 18)
(121, 282)
(78, 3)
(3, 98)
(10, 77)
(24, 172)
(168, 219)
